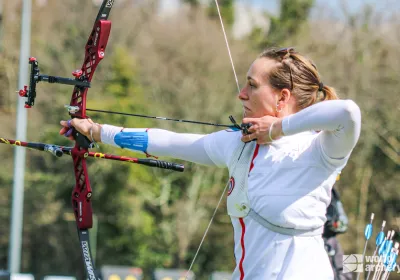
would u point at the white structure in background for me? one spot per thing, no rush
(41, 3)
(247, 16)
(168, 7)
(59, 278)
(19, 276)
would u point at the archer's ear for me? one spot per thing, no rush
(285, 95)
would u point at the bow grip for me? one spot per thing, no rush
(82, 140)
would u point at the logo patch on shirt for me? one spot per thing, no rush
(231, 185)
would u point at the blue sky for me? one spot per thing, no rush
(352, 5)
(333, 6)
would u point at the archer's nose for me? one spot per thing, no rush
(243, 94)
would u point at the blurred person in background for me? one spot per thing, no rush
(280, 183)
(336, 223)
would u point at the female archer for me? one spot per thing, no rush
(280, 183)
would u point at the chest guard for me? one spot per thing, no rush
(238, 203)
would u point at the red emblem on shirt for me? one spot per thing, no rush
(231, 185)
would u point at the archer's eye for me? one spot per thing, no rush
(251, 84)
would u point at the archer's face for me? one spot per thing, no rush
(258, 97)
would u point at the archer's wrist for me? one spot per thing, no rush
(108, 133)
(275, 130)
(95, 134)
(278, 133)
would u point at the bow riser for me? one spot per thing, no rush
(82, 193)
(94, 53)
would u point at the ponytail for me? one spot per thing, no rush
(329, 93)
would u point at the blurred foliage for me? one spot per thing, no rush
(193, 3)
(167, 67)
(227, 10)
(292, 17)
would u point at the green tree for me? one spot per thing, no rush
(227, 11)
(293, 15)
(193, 3)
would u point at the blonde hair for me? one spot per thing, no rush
(298, 74)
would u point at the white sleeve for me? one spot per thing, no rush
(185, 146)
(339, 121)
(221, 145)
(212, 149)
(160, 142)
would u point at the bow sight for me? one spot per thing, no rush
(35, 77)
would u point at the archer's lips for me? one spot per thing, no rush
(246, 108)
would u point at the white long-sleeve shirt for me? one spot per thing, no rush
(302, 164)
(290, 183)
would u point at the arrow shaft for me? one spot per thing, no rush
(158, 118)
(60, 150)
(148, 162)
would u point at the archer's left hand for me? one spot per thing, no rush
(84, 126)
(260, 129)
